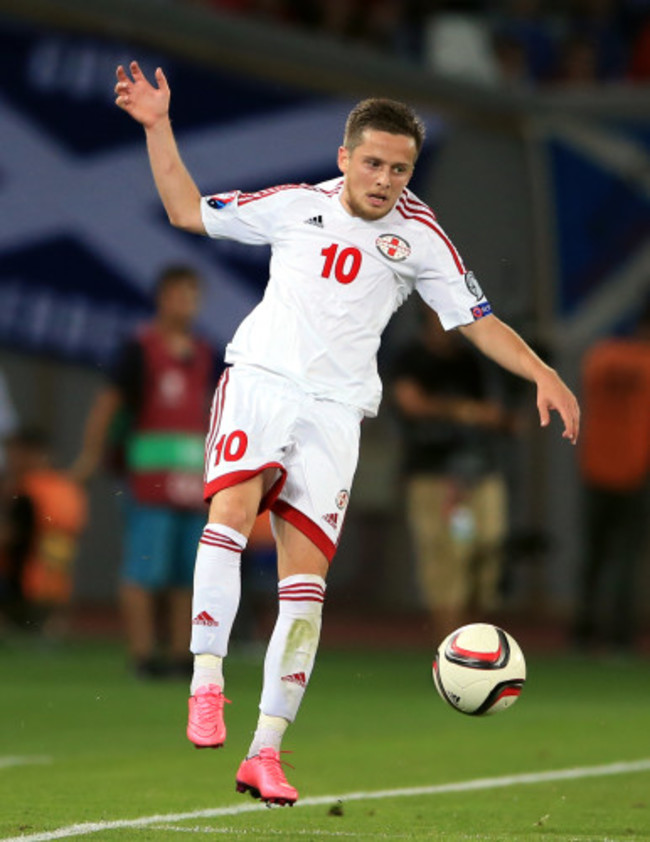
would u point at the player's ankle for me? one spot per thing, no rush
(208, 669)
(268, 734)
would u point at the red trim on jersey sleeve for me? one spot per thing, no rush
(410, 203)
(429, 222)
(236, 477)
(245, 198)
(331, 192)
(308, 528)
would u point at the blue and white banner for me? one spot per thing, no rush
(602, 203)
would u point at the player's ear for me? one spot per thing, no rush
(343, 159)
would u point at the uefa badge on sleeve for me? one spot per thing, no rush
(481, 310)
(221, 200)
(473, 285)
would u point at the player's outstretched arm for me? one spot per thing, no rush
(149, 105)
(500, 342)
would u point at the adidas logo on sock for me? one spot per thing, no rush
(315, 220)
(297, 678)
(204, 619)
(332, 519)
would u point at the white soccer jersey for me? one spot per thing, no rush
(335, 281)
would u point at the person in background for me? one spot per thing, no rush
(455, 493)
(523, 35)
(162, 385)
(615, 469)
(600, 25)
(44, 514)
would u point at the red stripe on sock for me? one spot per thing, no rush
(216, 539)
(301, 592)
(301, 586)
(302, 599)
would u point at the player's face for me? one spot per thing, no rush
(376, 171)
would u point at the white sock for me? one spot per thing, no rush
(269, 733)
(292, 648)
(208, 669)
(217, 588)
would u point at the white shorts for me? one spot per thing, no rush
(262, 420)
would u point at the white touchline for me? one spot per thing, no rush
(86, 828)
(24, 760)
(227, 831)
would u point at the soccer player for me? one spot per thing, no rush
(285, 420)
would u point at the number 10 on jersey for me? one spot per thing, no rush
(345, 262)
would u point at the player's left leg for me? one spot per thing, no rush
(308, 517)
(302, 569)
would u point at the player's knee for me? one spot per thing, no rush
(230, 510)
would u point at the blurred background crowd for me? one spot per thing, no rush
(511, 43)
(462, 507)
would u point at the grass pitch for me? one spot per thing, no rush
(83, 743)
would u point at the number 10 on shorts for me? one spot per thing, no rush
(232, 446)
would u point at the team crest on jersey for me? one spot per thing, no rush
(473, 285)
(221, 200)
(393, 247)
(342, 498)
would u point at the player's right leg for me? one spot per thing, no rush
(250, 430)
(215, 600)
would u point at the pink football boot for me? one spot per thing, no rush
(263, 777)
(205, 725)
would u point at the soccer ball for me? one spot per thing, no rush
(479, 669)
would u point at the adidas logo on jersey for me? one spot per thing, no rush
(204, 619)
(315, 220)
(332, 519)
(297, 678)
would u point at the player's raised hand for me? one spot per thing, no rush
(553, 394)
(145, 102)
